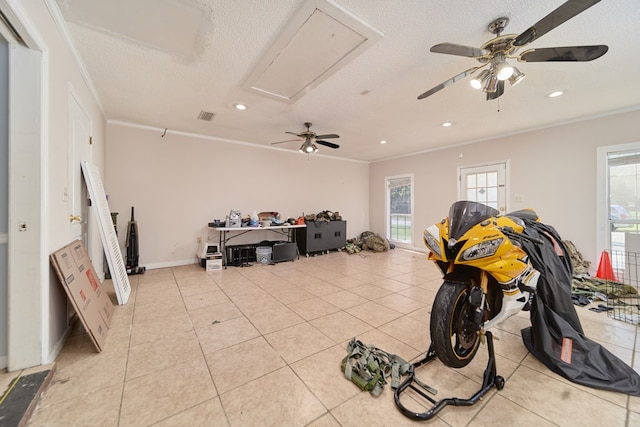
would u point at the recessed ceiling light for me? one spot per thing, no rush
(240, 107)
(383, 141)
(447, 124)
(555, 94)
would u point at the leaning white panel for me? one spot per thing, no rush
(107, 232)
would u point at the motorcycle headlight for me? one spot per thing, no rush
(432, 242)
(481, 250)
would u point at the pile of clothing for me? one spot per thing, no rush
(368, 240)
(326, 216)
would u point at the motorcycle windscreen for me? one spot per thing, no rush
(465, 214)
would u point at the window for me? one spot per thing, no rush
(484, 184)
(400, 209)
(624, 197)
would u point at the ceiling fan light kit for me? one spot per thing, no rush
(491, 86)
(479, 81)
(308, 148)
(516, 77)
(504, 71)
(494, 53)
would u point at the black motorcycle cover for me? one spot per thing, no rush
(555, 336)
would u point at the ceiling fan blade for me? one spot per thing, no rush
(327, 136)
(281, 142)
(328, 144)
(498, 93)
(562, 14)
(449, 82)
(293, 133)
(568, 53)
(458, 49)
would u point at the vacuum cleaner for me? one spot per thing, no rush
(132, 248)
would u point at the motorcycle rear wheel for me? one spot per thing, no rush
(454, 335)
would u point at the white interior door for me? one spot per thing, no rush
(485, 184)
(79, 150)
(28, 263)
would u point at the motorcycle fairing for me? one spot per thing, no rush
(469, 224)
(555, 336)
(515, 299)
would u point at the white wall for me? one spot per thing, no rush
(178, 183)
(552, 171)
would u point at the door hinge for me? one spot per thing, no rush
(90, 140)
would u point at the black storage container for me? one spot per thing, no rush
(284, 251)
(321, 236)
(240, 255)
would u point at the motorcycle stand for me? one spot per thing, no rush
(490, 379)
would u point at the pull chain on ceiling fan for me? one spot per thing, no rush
(310, 140)
(494, 54)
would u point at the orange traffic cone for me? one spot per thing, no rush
(605, 270)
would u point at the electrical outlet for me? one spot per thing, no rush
(198, 239)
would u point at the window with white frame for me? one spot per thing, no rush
(400, 209)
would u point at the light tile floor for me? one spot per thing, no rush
(262, 345)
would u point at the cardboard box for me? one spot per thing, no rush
(77, 276)
(214, 264)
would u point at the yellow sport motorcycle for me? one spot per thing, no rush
(493, 267)
(487, 276)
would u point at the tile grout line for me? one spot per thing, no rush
(202, 350)
(126, 365)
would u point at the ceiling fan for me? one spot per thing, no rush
(310, 139)
(493, 55)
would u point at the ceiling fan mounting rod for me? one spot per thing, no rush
(498, 25)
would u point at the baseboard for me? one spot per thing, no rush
(169, 264)
(409, 247)
(178, 263)
(53, 354)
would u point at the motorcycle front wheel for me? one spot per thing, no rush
(454, 333)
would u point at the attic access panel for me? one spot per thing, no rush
(317, 42)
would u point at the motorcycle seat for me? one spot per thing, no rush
(525, 214)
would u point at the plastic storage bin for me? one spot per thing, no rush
(263, 254)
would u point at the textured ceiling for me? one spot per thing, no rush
(160, 63)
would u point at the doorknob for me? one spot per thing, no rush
(73, 218)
